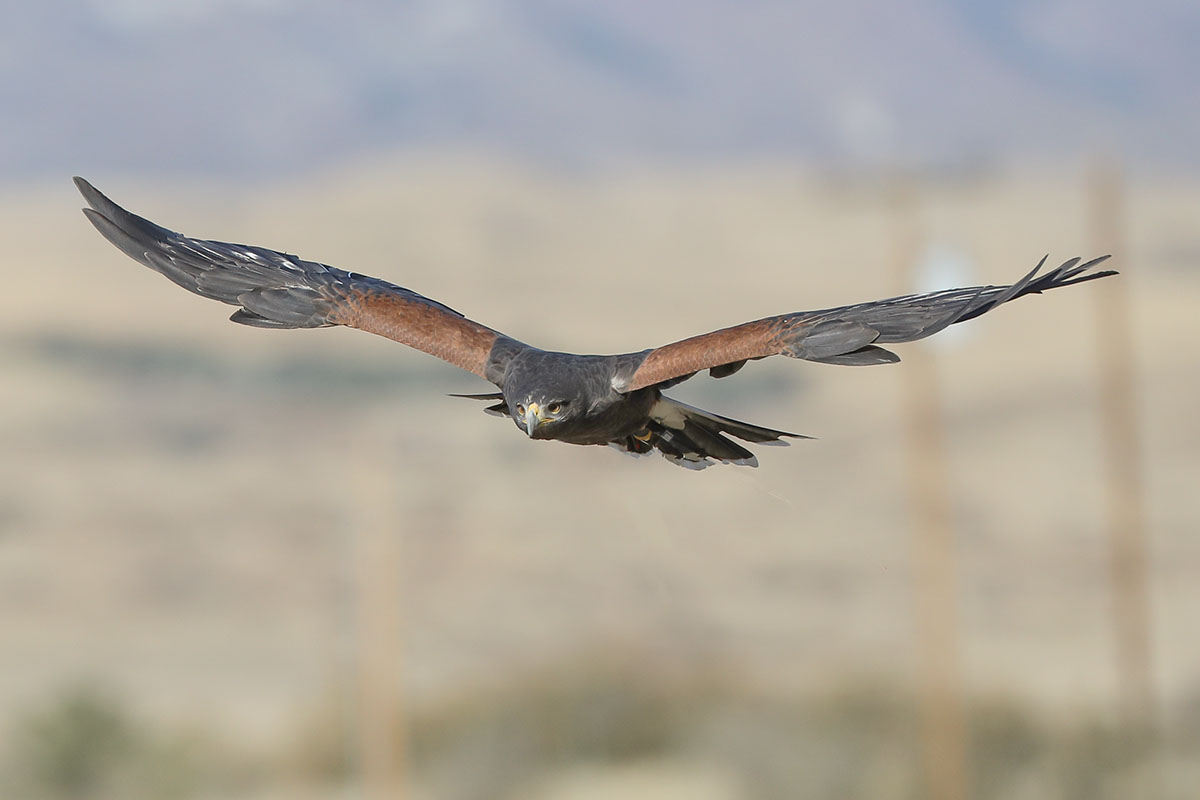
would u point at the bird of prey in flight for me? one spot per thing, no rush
(616, 400)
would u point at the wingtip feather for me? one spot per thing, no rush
(91, 195)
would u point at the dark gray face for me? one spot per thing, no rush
(544, 413)
(552, 395)
(545, 402)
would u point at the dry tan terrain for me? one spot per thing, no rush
(183, 502)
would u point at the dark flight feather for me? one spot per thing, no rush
(277, 290)
(582, 399)
(845, 335)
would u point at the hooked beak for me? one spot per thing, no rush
(533, 418)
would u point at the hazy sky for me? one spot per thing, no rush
(269, 86)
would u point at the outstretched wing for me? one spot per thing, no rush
(845, 335)
(277, 290)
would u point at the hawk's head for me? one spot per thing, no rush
(547, 393)
(538, 413)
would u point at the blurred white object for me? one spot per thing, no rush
(943, 266)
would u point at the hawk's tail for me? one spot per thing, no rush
(694, 439)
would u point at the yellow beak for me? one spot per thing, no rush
(533, 418)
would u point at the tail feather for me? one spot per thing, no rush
(500, 409)
(696, 439)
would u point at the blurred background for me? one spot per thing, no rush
(251, 564)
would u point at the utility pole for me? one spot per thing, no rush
(1123, 491)
(943, 727)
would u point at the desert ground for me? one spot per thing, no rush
(192, 512)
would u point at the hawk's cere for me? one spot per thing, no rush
(581, 399)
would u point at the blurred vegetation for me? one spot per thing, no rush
(129, 361)
(125, 361)
(87, 744)
(859, 742)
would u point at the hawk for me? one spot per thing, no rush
(615, 400)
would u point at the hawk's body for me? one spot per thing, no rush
(579, 399)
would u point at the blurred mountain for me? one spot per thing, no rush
(272, 85)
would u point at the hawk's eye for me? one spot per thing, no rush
(520, 410)
(554, 408)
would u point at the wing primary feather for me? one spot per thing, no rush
(277, 290)
(848, 335)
